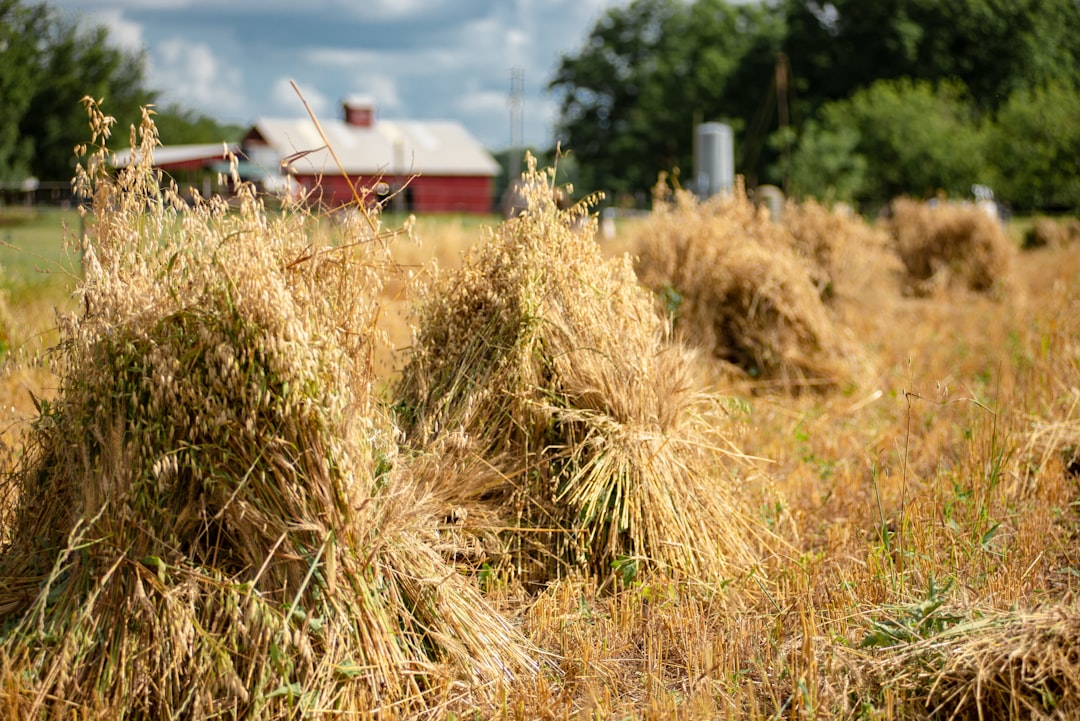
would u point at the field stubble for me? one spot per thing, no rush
(923, 522)
(933, 501)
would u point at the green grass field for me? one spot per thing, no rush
(38, 274)
(34, 243)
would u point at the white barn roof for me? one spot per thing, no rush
(385, 148)
(174, 154)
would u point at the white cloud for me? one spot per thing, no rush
(382, 87)
(123, 33)
(285, 98)
(417, 58)
(394, 9)
(487, 112)
(193, 75)
(518, 40)
(407, 61)
(484, 103)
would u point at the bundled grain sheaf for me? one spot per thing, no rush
(950, 246)
(842, 253)
(736, 287)
(210, 519)
(544, 370)
(1017, 665)
(1051, 233)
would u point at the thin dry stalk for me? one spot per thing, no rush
(1020, 665)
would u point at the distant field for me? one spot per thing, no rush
(33, 242)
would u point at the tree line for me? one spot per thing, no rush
(845, 100)
(47, 64)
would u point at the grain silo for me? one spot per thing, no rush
(714, 159)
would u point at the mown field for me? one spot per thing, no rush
(277, 466)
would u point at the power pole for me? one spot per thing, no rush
(783, 74)
(517, 121)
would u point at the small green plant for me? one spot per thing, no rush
(672, 299)
(915, 622)
(625, 568)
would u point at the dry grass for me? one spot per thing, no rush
(921, 557)
(543, 377)
(1048, 232)
(739, 287)
(1002, 666)
(950, 246)
(847, 258)
(208, 519)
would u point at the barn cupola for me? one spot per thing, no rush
(359, 111)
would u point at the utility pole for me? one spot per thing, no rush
(782, 77)
(517, 121)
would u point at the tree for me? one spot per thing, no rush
(72, 64)
(19, 28)
(601, 89)
(837, 47)
(47, 65)
(895, 137)
(630, 97)
(827, 163)
(1035, 148)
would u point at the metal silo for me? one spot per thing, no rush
(714, 159)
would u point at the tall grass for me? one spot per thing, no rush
(208, 517)
(215, 510)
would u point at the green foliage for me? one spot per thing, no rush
(649, 70)
(911, 137)
(1035, 144)
(915, 622)
(625, 568)
(630, 97)
(601, 90)
(63, 63)
(992, 47)
(48, 63)
(18, 27)
(826, 163)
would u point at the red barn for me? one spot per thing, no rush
(436, 165)
(182, 158)
(191, 166)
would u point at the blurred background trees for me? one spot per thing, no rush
(47, 63)
(845, 99)
(1034, 147)
(629, 98)
(911, 137)
(840, 99)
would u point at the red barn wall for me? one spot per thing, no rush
(424, 194)
(439, 194)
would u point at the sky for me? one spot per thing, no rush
(233, 60)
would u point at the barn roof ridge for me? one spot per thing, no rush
(387, 147)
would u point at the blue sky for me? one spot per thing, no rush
(419, 59)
